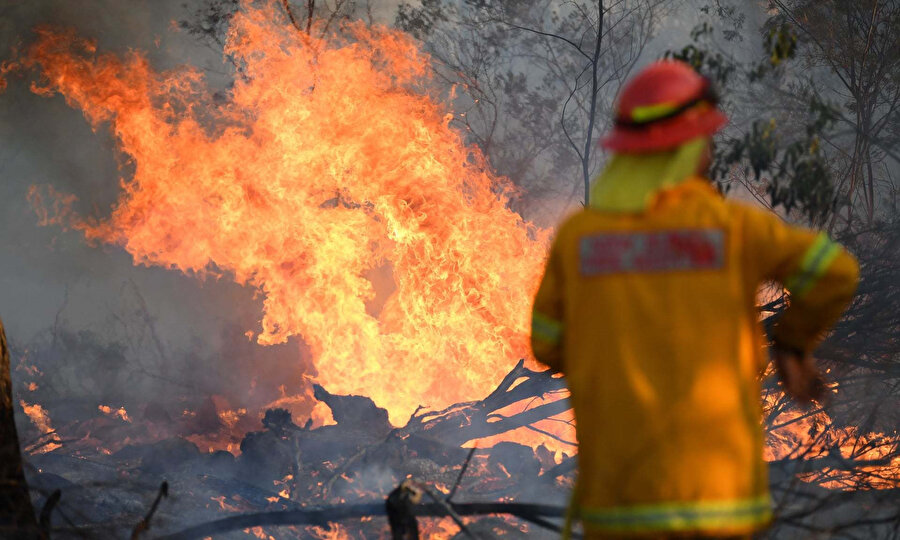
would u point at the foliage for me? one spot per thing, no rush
(787, 166)
(848, 53)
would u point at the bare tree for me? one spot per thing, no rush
(536, 79)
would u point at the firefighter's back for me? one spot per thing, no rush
(662, 351)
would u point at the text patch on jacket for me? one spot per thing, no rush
(657, 251)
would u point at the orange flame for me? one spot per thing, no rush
(873, 457)
(39, 417)
(334, 531)
(259, 532)
(120, 412)
(231, 417)
(331, 182)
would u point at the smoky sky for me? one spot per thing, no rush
(47, 143)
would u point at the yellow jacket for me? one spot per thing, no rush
(652, 318)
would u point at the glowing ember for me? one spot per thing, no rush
(120, 412)
(332, 183)
(225, 505)
(334, 531)
(285, 484)
(258, 532)
(230, 417)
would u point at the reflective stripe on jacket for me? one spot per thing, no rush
(652, 318)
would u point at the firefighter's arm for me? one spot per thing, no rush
(547, 315)
(821, 287)
(820, 275)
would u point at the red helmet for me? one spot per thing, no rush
(665, 105)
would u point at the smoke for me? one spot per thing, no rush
(95, 326)
(45, 142)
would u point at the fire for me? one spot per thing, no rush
(41, 420)
(813, 435)
(120, 412)
(38, 416)
(438, 528)
(224, 505)
(259, 532)
(334, 531)
(231, 417)
(329, 181)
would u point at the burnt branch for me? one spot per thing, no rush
(144, 524)
(290, 14)
(47, 511)
(445, 504)
(474, 420)
(462, 473)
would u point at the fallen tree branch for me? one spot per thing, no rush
(534, 513)
(463, 422)
(483, 428)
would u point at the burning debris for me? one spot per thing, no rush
(287, 479)
(284, 467)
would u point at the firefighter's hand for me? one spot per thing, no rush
(800, 376)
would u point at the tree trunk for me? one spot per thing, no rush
(592, 113)
(16, 514)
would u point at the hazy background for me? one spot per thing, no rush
(155, 325)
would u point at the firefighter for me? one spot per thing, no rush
(648, 307)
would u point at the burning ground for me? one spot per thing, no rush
(391, 272)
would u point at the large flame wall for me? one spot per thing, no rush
(329, 162)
